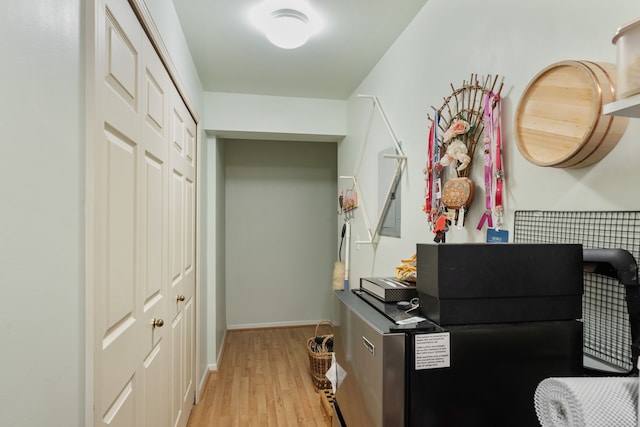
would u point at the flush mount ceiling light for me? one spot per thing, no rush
(287, 24)
(287, 28)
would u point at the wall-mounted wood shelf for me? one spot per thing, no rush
(627, 107)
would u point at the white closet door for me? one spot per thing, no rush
(119, 329)
(153, 179)
(182, 258)
(144, 226)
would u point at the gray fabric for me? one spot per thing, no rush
(587, 402)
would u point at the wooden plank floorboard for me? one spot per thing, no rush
(263, 380)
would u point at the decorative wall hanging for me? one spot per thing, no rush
(461, 121)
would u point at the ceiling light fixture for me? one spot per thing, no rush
(287, 28)
(287, 24)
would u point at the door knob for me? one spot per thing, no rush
(180, 298)
(157, 323)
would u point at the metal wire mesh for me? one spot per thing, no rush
(607, 334)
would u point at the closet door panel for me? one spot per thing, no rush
(182, 241)
(154, 247)
(144, 207)
(118, 392)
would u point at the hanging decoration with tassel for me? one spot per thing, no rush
(461, 122)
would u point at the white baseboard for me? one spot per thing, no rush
(213, 367)
(272, 324)
(203, 382)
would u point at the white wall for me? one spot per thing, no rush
(280, 246)
(213, 289)
(42, 159)
(41, 208)
(265, 119)
(446, 42)
(234, 115)
(220, 257)
(166, 20)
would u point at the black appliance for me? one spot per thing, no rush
(472, 283)
(427, 374)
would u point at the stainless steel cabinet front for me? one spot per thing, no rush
(372, 393)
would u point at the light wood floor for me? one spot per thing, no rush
(263, 380)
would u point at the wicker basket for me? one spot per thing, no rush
(320, 356)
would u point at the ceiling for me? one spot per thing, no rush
(231, 56)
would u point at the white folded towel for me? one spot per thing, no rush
(587, 402)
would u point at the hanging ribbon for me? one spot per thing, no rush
(432, 172)
(436, 169)
(488, 138)
(500, 178)
(428, 171)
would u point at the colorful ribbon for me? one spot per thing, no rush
(489, 136)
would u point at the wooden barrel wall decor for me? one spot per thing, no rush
(559, 121)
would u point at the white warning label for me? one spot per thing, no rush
(432, 351)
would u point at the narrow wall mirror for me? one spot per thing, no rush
(391, 214)
(382, 189)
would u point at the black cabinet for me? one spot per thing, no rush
(433, 376)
